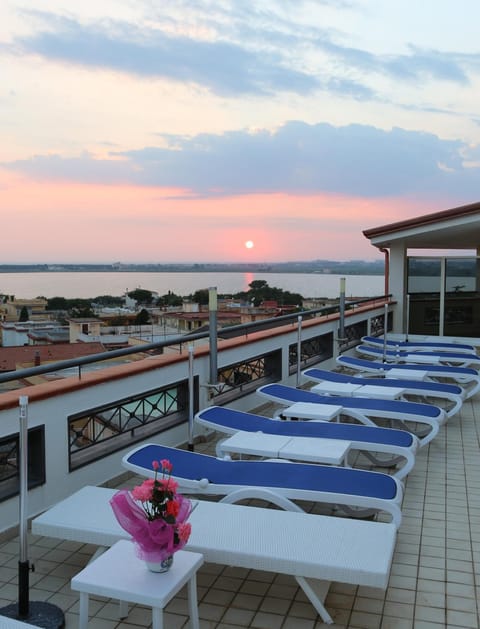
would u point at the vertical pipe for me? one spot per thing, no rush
(212, 318)
(299, 348)
(190, 398)
(408, 317)
(23, 564)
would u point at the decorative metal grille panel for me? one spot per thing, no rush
(100, 431)
(243, 377)
(312, 351)
(10, 462)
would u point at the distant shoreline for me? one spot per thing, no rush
(324, 267)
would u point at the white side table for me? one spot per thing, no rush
(335, 388)
(311, 449)
(379, 392)
(118, 573)
(406, 374)
(312, 410)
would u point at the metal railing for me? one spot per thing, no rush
(185, 339)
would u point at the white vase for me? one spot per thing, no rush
(160, 566)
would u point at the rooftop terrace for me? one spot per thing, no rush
(434, 580)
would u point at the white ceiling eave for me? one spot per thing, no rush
(456, 233)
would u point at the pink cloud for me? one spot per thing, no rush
(65, 222)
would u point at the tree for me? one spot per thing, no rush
(141, 295)
(261, 291)
(143, 317)
(169, 299)
(200, 296)
(24, 316)
(57, 303)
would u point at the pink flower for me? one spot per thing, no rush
(184, 529)
(166, 465)
(167, 484)
(155, 465)
(143, 493)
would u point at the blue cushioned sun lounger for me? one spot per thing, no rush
(415, 346)
(467, 377)
(365, 410)
(399, 444)
(452, 392)
(462, 359)
(358, 492)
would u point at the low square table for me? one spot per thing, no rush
(311, 410)
(407, 374)
(118, 573)
(380, 392)
(335, 388)
(312, 450)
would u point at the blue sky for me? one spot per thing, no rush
(176, 131)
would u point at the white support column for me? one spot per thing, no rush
(398, 285)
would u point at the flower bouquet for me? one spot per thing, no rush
(155, 516)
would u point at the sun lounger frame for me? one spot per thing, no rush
(466, 377)
(453, 393)
(314, 549)
(364, 410)
(379, 440)
(246, 484)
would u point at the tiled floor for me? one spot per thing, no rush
(434, 582)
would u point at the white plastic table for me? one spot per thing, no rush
(119, 573)
(335, 388)
(407, 374)
(311, 410)
(368, 390)
(313, 450)
(416, 357)
(375, 391)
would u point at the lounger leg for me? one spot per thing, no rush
(83, 619)
(122, 609)
(316, 592)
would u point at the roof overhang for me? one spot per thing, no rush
(457, 228)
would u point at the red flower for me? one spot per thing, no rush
(173, 507)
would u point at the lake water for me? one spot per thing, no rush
(89, 285)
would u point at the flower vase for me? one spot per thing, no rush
(160, 566)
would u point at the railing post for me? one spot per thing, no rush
(341, 328)
(212, 318)
(299, 348)
(23, 566)
(190, 398)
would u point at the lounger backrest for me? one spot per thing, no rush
(231, 420)
(372, 365)
(378, 351)
(332, 376)
(417, 344)
(290, 395)
(278, 475)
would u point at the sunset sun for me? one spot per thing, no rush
(249, 244)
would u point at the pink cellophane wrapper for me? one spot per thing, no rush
(153, 539)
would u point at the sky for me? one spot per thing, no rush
(177, 131)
